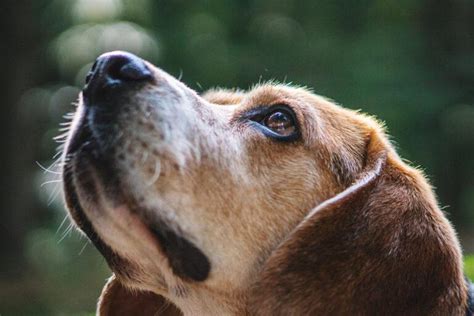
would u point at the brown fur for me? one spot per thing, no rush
(334, 223)
(385, 248)
(118, 300)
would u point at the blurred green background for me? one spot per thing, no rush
(410, 62)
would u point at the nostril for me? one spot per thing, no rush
(127, 68)
(134, 71)
(115, 70)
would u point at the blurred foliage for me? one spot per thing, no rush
(469, 266)
(409, 62)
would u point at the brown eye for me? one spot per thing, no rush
(280, 122)
(277, 122)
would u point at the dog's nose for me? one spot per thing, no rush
(114, 69)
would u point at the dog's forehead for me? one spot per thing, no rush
(271, 94)
(261, 94)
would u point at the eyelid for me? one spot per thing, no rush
(256, 115)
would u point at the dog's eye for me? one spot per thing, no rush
(280, 122)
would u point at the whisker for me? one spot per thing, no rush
(57, 163)
(56, 155)
(83, 248)
(61, 225)
(54, 194)
(46, 169)
(49, 182)
(66, 232)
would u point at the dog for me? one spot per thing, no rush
(272, 201)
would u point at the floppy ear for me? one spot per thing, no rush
(382, 246)
(117, 300)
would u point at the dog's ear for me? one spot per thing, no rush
(117, 300)
(381, 246)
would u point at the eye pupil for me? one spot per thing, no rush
(280, 122)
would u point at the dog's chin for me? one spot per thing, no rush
(124, 269)
(101, 206)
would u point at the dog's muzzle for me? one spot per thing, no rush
(90, 163)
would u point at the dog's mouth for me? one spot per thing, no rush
(90, 177)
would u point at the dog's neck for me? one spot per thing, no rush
(207, 302)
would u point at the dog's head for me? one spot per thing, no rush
(230, 201)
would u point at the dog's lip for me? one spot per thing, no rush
(120, 265)
(96, 177)
(87, 183)
(186, 260)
